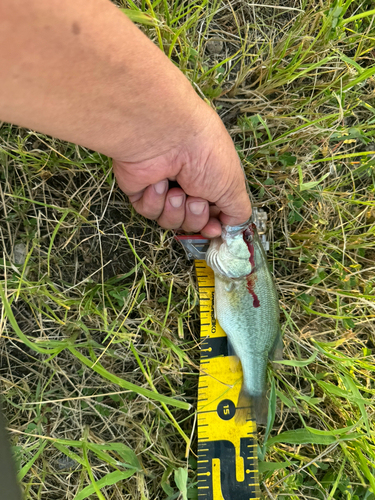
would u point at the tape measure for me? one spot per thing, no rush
(227, 452)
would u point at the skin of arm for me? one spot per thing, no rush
(83, 72)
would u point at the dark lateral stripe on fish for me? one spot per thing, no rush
(214, 347)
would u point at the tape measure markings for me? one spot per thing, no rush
(227, 461)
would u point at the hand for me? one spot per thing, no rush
(138, 108)
(208, 171)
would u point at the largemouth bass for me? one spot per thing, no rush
(246, 306)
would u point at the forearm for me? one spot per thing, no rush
(86, 74)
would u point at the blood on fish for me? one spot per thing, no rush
(251, 278)
(248, 234)
(250, 288)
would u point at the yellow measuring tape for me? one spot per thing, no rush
(227, 452)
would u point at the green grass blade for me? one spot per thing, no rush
(25, 469)
(139, 17)
(108, 480)
(54, 234)
(348, 20)
(154, 396)
(9, 313)
(128, 457)
(295, 362)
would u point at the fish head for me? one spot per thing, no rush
(230, 255)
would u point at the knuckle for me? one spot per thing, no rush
(168, 223)
(192, 228)
(146, 211)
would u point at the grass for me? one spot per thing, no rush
(100, 327)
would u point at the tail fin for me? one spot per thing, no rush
(243, 411)
(247, 406)
(260, 405)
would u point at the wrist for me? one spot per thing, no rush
(167, 117)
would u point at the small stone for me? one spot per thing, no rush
(215, 46)
(19, 253)
(65, 463)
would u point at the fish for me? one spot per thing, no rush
(247, 309)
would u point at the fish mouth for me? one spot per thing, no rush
(229, 232)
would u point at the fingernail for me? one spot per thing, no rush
(176, 201)
(161, 187)
(197, 207)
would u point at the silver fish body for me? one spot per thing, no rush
(246, 306)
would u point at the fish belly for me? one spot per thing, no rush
(251, 331)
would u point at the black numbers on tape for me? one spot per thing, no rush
(226, 409)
